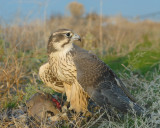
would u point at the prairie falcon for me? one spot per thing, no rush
(82, 75)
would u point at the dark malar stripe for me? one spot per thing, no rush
(66, 43)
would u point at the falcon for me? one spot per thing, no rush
(82, 75)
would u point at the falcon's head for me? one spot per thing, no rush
(61, 40)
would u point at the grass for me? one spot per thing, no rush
(132, 50)
(142, 60)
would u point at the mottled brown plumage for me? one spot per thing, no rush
(84, 75)
(50, 79)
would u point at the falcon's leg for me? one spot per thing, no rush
(77, 97)
(68, 92)
(65, 106)
(67, 88)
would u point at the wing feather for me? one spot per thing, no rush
(101, 83)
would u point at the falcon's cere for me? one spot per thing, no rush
(82, 75)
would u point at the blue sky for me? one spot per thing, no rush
(32, 9)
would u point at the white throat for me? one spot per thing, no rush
(67, 48)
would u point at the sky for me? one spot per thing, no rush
(33, 9)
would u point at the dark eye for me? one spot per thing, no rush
(68, 34)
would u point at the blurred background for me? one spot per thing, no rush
(125, 34)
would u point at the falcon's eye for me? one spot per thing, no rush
(68, 34)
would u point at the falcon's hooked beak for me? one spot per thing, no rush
(76, 37)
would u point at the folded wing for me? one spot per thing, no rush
(101, 83)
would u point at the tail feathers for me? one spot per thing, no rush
(140, 111)
(137, 109)
(115, 97)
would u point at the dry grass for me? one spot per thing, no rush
(22, 49)
(119, 35)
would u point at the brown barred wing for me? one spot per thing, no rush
(101, 83)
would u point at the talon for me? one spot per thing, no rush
(64, 109)
(87, 114)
